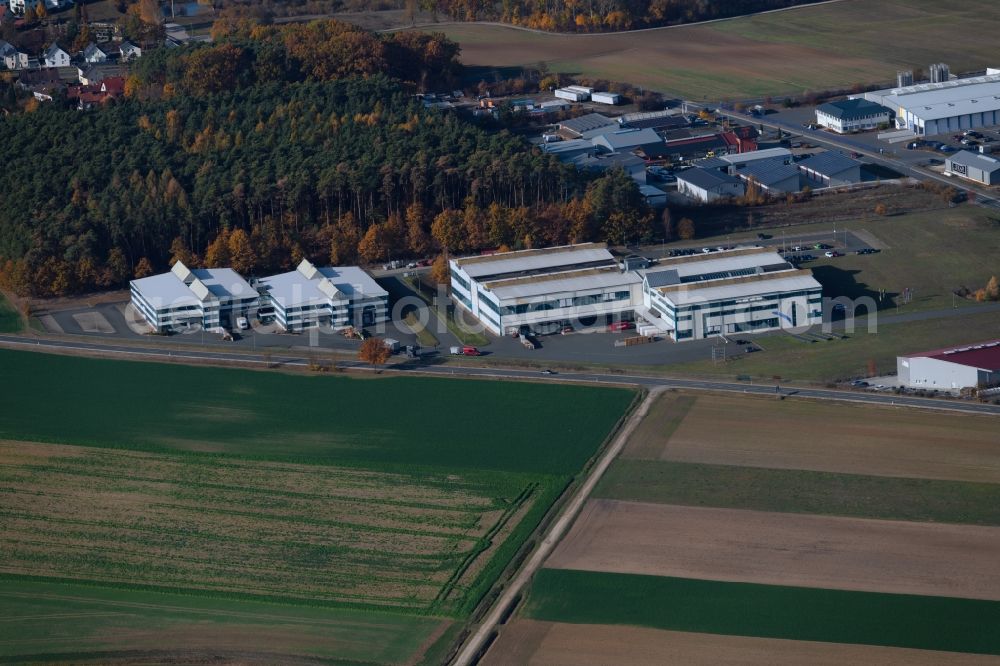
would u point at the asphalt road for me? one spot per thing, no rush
(293, 359)
(904, 161)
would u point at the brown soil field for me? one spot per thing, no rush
(694, 61)
(267, 528)
(784, 549)
(853, 439)
(534, 642)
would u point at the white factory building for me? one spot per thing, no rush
(952, 369)
(543, 289)
(185, 298)
(728, 292)
(945, 107)
(333, 296)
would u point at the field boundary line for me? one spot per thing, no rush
(470, 652)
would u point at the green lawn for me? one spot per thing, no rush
(800, 491)
(931, 253)
(770, 611)
(390, 423)
(789, 358)
(62, 621)
(10, 320)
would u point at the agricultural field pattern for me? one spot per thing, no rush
(344, 537)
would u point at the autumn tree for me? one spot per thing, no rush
(440, 271)
(667, 223)
(179, 251)
(418, 241)
(213, 69)
(880, 209)
(992, 290)
(143, 269)
(217, 253)
(685, 229)
(241, 255)
(374, 352)
(448, 229)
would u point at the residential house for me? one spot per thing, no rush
(55, 56)
(94, 54)
(129, 51)
(92, 74)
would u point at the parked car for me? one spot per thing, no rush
(830, 254)
(620, 326)
(242, 323)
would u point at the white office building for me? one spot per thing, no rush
(544, 289)
(309, 297)
(728, 293)
(184, 298)
(852, 115)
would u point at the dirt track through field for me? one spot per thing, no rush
(784, 549)
(556, 644)
(851, 439)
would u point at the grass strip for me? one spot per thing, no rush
(800, 491)
(10, 320)
(767, 611)
(424, 337)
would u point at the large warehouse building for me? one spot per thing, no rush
(686, 298)
(952, 369)
(945, 107)
(185, 298)
(730, 292)
(333, 296)
(543, 289)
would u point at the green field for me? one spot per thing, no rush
(395, 423)
(67, 622)
(10, 320)
(831, 46)
(745, 609)
(802, 491)
(358, 498)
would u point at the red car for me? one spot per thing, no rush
(620, 326)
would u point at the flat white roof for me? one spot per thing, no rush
(720, 262)
(932, 101)
(165, 288)
(702, 292)
(293, 289)
(754, 155)
(534, 260)
(222, 283)
(516, 289)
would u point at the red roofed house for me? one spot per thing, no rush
(97, 93)
(967, 366)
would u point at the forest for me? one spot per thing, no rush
(218, 164)
(603, 15)
(553, 15)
